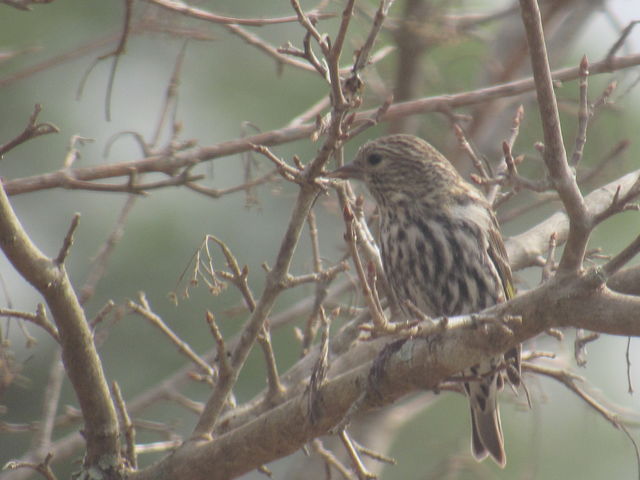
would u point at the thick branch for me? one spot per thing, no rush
(402, 366)
(78, 352)
(626, 281)
(525, 248)
(523, 251)
(555, 156)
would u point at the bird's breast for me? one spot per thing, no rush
(439, 263)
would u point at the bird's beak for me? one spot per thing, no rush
(346, 172)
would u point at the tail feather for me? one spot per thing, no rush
(486, 437)
(486, 430)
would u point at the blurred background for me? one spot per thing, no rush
(226, 83)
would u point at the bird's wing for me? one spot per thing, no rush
(498, 255)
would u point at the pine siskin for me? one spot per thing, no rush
(442, 251)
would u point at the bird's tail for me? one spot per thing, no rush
(486, 437)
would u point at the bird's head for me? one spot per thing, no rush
(401, 168)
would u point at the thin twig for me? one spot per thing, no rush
(583, 113)
(308, 24)
(116, 54)
(288, 172)
(73, 153)
(380, 322)
(375, 455)
(319, 374)
(171, 94)
(570, 381)
(550, 263)
(265, 47)
(494, 191)
(68, 240)
(323, 276)
(514, 178)
(184, 401)
(580, 345)
(42, 468)
(99, 265)
(239, 277)
(312, 112)
(478, 164)
(333, 57)
(508, 175)
(158, 447)
(311, 325)
(363, 54)
(516, 212)
(618, 203)
(159, 163)
(41, 441)
(628, 361)
(359, 126)
(39, 318)
(224, 368)
(138, 28)
(352, 451)
(217, 193)
(331, 460)
(144, 311)
(32, 130)
(355, 236)
(127, 429)
(613, 154)
(102, 313)
(275, 387)
(623, 37)
(132, 185)
(179, 7)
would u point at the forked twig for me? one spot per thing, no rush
(32, 130)
(144, 311)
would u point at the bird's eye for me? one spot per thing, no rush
(374, 159)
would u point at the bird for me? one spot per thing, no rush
(442, 252)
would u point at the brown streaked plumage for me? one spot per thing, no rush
(442, 251)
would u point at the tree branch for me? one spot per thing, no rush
(193, 12)
(170, 162)
(555, 156)
(32, 130)
(526, 247)
(78, 351)
(402, 366)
